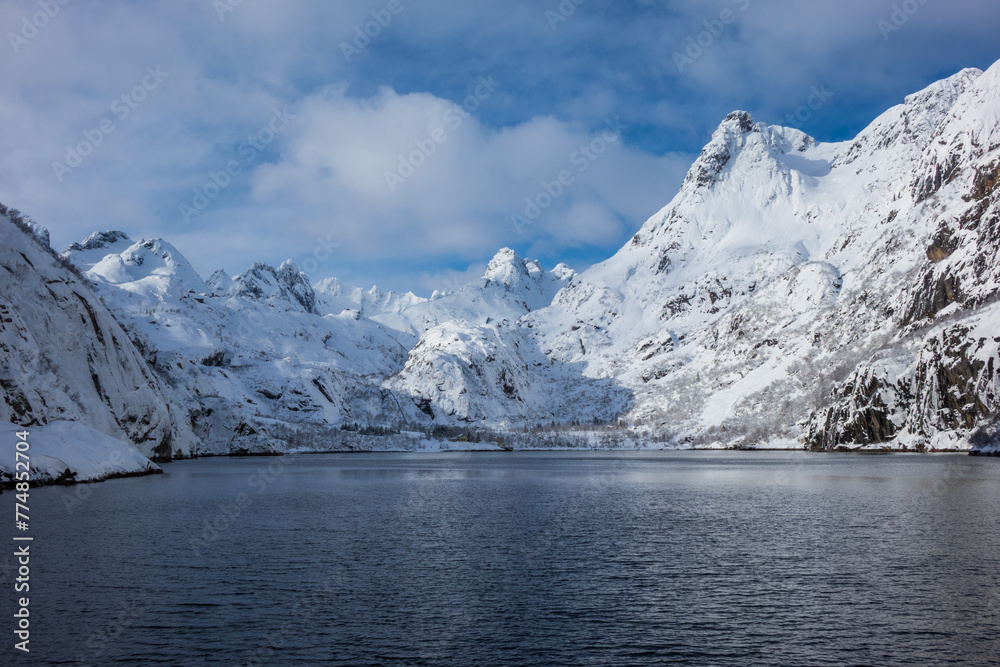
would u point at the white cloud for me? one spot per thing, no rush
(450, 280)
(415, 175)
(326, 175)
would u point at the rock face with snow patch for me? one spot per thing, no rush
(949, 386)
(285, 286)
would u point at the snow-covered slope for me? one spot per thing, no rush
(476, 363)
(495, 375)
(783, 263)
(64, 357)
(248, 356)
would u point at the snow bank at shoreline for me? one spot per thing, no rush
(66, 451)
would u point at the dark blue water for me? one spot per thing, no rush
(522, 559)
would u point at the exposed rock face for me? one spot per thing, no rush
(99, 241)
(866, 412)
(950, 388)
(285, 286)
(964, 253)
(936, 402)
(66, 358)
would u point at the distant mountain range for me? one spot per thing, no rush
(792, 294)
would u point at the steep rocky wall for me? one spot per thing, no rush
(938, 402)
(64, 357)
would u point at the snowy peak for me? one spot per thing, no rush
(562, 272)
(332, 298)
(219, 282)
(329, 287)
(507, 269)
(297, 283)
(744, 154)
(726, 142)
(510, 288)
(738, 122)
(285, 286)
(149, 268)
(99, 240)
(96, 247)
(523, 279)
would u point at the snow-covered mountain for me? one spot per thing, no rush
(509, 288)
(784, 263)
(265, 348)
(793, 293)
(66, 359)
(742, 312)
(246, 353)
(334, 298)
(478, 361)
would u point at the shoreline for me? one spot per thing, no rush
(64, 480)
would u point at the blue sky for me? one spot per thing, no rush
(263, 130)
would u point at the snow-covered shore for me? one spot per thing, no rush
(67, 452)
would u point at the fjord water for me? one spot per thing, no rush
(723, 558)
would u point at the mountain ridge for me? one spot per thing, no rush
(793, 293)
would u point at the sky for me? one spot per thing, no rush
(403, 142)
